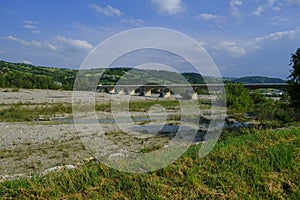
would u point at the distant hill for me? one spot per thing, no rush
(20, 75)
(257, 79)
(193, 78)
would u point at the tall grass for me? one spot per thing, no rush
(259, 165)
(32, 112)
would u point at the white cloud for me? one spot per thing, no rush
(51, 47)
(31, 25)
(274, 4)
(297, 2)
(237, 2)
(36, 31)
(171, 7)
(207, 16)
(217, 19)
(133, 21)
(276, 8)
(115, 12)
(257, 12)
(280, 20)
(271, 2)
(24, 42)
(82, 44)
(234, 6)
(36, 43)
(261, 42)
(30, 22)
(232, 48)
(21, 41)
(108, 10)
(27, 62)
(277, 36)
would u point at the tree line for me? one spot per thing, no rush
(19, 75)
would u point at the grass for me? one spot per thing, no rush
(26, 112)
(257, 165)
(32, 112)
(145, 106)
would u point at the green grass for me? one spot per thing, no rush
(32, 112)
(257, 165)
(24, 112)
(144, 106)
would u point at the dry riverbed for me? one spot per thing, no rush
(33, 147)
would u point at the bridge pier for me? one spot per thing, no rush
(195, 96)
(121, 91)
(148, 92)
(167, 95)
(132, 92)
(112, 90)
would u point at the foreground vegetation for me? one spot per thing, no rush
(256, 165)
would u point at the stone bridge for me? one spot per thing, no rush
(165, 90)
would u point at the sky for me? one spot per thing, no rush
(243, 37)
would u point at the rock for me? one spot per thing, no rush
(251, 124)
(56, 168)
(203, 120)
(233, 124)
(12, 177)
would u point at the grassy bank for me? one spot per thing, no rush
(257, 165)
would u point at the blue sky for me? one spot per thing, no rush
(243, 37)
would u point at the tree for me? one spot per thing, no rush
(2, 80)
(294, 80)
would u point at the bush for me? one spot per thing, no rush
(277, 112)
(238, 97)
(258, 98)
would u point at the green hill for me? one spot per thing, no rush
(257, 79)
(20, 75)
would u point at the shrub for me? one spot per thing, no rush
(238, 97)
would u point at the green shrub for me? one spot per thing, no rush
(278, 112)
(15, 90)
(238, 97)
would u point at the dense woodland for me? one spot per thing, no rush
(17, 75)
